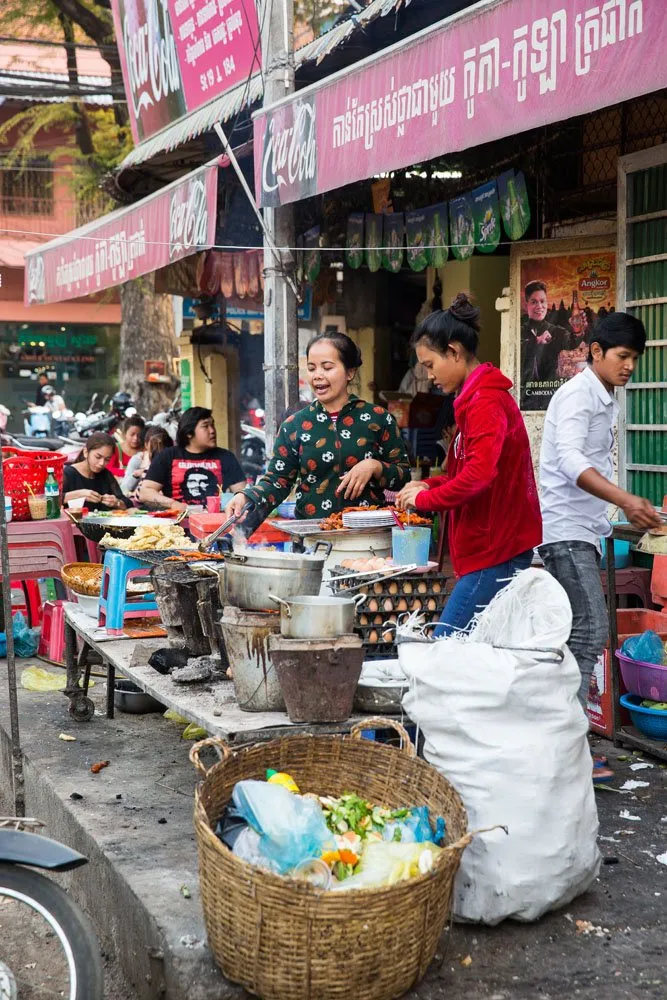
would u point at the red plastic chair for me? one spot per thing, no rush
(659, 581)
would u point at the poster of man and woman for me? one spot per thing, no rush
(562, 298)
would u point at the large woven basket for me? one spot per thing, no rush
(285, 940)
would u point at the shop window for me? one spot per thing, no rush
(27, 191)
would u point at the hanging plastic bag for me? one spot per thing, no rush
(388, 863)
(647, 647)
(292, 828)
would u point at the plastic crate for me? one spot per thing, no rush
(28, 468)
(388, 600)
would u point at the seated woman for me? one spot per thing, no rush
(194, 469)
(131, 443)
(341, 450)
(489, 488)
(156, 439)
(90, 478)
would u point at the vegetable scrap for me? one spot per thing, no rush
(96, 768)
(66, 738)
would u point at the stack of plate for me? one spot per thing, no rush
(368, 519)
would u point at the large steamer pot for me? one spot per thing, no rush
(317, 617)
(248, 580)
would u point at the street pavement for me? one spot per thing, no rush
(135, 821)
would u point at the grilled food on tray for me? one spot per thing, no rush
(335, 521)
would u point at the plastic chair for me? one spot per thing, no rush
(632, 582)
(115, 606)
(52, 639)
(659, 581)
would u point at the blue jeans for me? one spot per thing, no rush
(474, 591)
(576, 566)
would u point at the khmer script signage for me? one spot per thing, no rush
(474, 77)
(178, 54)
(174, 222)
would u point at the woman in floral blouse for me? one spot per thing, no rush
(341, 450)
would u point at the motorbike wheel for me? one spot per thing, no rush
(48, 945)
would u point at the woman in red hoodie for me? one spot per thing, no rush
(489, 490)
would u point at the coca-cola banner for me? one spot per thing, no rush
(178, 54)
(168, 225)
(474, 77)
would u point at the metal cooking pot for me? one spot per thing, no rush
(248, 579)
(306, 617)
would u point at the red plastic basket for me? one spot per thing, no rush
(28, 467)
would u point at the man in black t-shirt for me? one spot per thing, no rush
(195, 468)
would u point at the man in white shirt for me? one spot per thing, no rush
(576, 470)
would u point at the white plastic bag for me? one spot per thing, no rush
(506, 728)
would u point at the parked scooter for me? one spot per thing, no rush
(168, 419)
(48, 944)
(120, 407)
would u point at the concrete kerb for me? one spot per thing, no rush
(133, 821)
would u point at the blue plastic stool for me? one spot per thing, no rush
(115, 607)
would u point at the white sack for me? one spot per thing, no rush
(506, 729)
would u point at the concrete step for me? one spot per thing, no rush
(133, 821)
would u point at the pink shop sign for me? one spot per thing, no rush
(177, 55)
(481, 75)
(177, 221)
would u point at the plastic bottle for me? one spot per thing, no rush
(280, 778)
(52, 494)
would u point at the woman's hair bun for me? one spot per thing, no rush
(464, 311)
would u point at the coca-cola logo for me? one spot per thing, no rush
(36, 279)
(150, 53)
(188, 218)
(290, 154)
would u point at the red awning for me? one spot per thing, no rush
(495, 69)
(175, 222)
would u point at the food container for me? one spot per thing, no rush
(128, 697)
(89, 605)
(648, 680)
(306, 617)
(649, 721)
(247, 580)
(38, 506)
(410, 546)
(246, 637)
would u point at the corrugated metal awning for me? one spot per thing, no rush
(246, 94)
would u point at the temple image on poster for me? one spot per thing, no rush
(562, 298)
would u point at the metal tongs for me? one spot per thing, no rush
(207, 542)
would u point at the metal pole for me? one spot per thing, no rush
(281, 337)
(17, 756)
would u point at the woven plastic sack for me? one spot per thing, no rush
(504, 726)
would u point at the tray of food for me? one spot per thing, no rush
(159, 536)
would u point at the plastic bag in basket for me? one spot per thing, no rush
(292, 828)
(646, 648)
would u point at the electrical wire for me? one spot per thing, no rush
(239, 247)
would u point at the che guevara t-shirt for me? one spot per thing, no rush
(190, 478)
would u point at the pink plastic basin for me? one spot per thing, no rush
(648, 680)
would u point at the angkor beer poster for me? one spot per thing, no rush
(562, 299)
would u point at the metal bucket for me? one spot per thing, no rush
(318, 676)
(246, 636)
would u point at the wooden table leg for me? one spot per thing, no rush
(80, 706)
(613, 643)
(111, 684)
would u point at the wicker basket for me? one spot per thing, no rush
(285, 940)
(83, 578)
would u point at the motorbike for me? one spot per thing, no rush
(253, 451)
(93, 420)
(168, 419)
(49, 947)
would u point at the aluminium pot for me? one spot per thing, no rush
(311, 617)
(247, 579)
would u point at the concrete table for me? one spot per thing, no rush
(211, 706)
